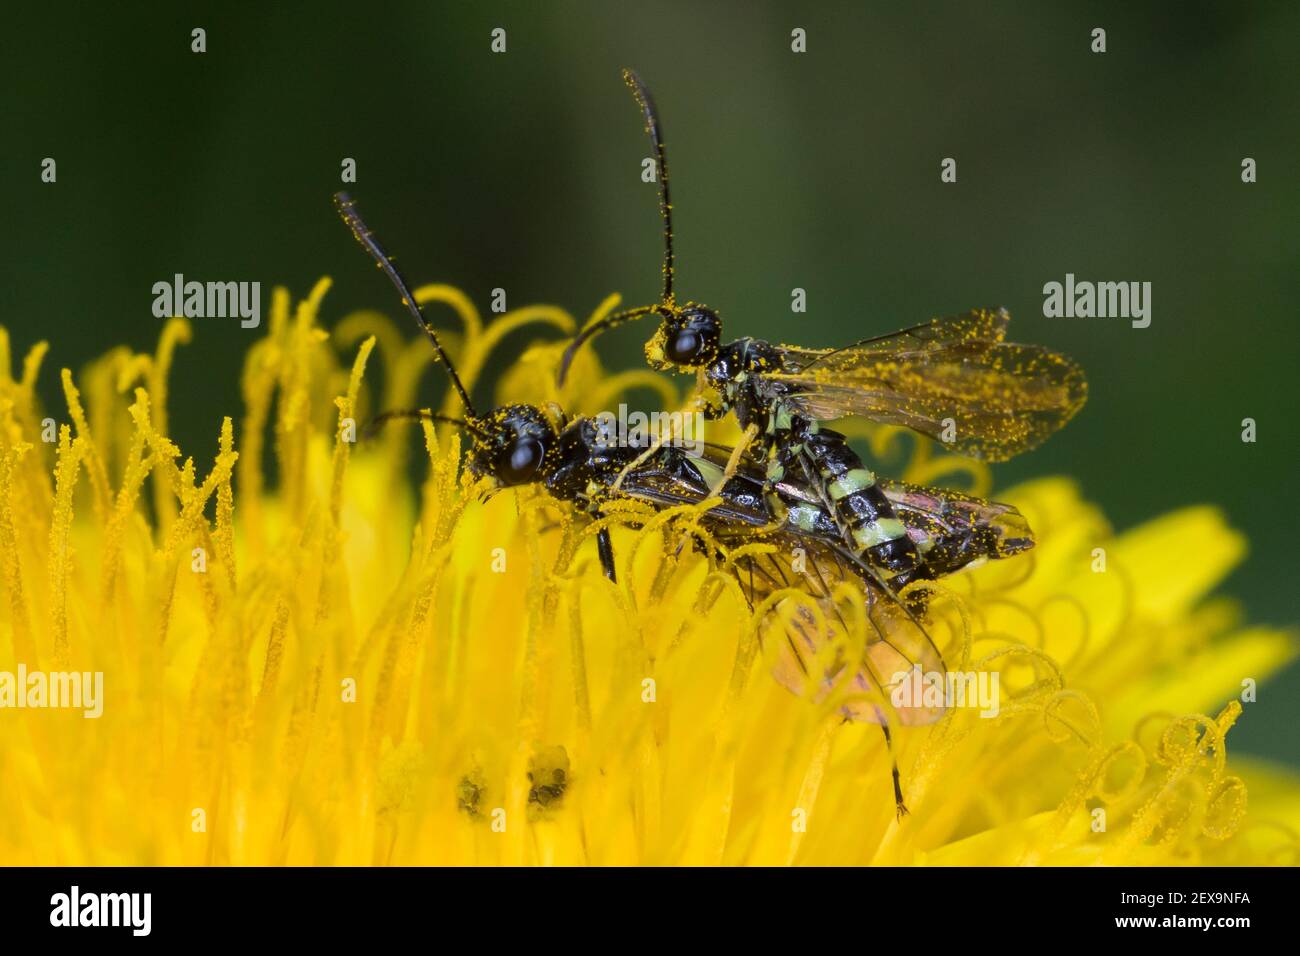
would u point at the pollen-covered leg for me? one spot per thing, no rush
(652, 449)
(733, 461)
(780, 458)
(776, 510)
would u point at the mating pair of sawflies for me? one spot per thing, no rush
(796, 486)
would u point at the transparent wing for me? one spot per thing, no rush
(953, 379)
(953, 530)
(977, 325)
(811, 657)
(674, 478)
(816, 634)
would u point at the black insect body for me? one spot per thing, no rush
(575, 461)
(954, 379)
(792, 444)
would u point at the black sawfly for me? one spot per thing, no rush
(576, 463)
(955, 379)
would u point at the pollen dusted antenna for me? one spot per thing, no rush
(667, 304)
(347, 208)
(419, 414)
(654, 128)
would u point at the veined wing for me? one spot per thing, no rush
(672, 477)
(977, 325)
(953, 377)
(812, 658)
(952, 530)
(811, 655)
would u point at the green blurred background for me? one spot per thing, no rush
(818, 170)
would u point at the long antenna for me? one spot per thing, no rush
(347, 208)
(608, 322)
(413, 414)
(656, 131)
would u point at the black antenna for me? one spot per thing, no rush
(591, 331)
(412, 414)
(347, 208)
(656, 131)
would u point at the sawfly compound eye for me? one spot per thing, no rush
(692, 337)
(522, 459)
(684, 347)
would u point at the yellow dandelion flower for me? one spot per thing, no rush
(340, 667)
